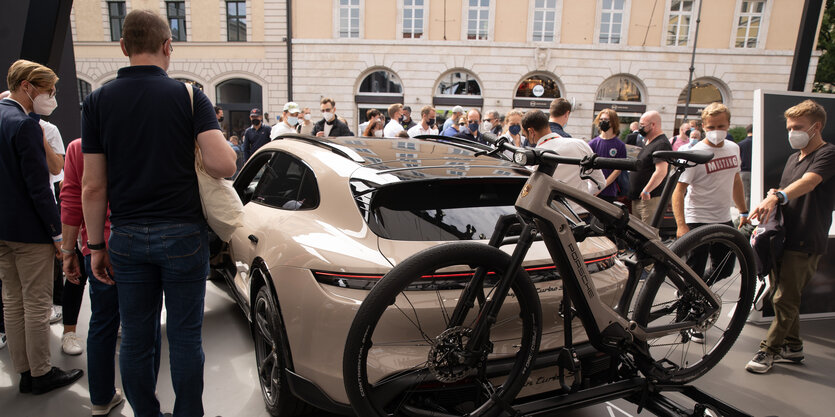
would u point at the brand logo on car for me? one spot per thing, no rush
(526, 189)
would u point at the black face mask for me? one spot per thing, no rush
(604, 125)
(220, 119)
(256, 122)
(643, 131)
(430, 122)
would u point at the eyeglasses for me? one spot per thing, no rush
(170, 45)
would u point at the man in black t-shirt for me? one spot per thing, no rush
(256, 135)
(159, 239)
(646, 184)
(807, 197)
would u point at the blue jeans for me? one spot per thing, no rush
(101, 340)
(150, 260)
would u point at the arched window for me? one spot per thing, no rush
(192, 82)
(456, 88)
(237, 96)
(84, 89)
(702, 92)
(536, 92)
(623, 94)
(377, 90)
(619, 88)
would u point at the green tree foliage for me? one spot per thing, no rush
(825, 74)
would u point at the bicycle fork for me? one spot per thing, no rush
(474, 289)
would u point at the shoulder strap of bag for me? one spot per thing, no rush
(190, 97)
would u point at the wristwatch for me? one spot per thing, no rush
(782, 198)
(95, 246)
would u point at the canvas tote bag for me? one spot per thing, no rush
(221, 204)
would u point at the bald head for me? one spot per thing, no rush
(650, 123)
(5, 94)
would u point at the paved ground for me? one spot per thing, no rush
(232, 386)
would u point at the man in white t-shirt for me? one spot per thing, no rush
(704, 194)
(426, 125)
(393, 127)
(289, 120)
(536, 128)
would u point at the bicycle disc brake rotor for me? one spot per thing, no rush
(692, 306)
(446, 357)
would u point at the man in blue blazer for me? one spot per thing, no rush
(30, 228)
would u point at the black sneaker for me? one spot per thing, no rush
(55, 378)
(25, 386)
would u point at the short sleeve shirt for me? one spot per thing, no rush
(639, 179)
(807, 218)
(145, 126)
(608, 148)
(710, 185)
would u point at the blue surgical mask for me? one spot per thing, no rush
(473, 128)
(514, 129)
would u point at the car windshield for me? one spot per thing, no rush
(438, 209)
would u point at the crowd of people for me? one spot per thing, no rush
(131, 224)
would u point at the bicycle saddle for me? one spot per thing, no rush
(698, 157)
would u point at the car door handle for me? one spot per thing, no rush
(253, 239)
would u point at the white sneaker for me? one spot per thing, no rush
(2, 340)
(70, 344)
(57, 314)
(761, 363)
(103, 410)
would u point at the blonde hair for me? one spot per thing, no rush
(394, 108)
(810, 109)
(37, 74)
(715, 109)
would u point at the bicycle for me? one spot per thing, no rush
(482, 349)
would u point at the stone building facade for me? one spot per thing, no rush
(633, 55)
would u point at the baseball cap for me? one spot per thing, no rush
(255, 112)
(458, 109)
(292, 107)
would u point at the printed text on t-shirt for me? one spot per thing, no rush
(720, 164)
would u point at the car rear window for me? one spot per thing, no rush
(438, 209)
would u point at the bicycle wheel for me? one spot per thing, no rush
(712, 252)
(402, 356)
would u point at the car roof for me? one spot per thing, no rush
(404, 159)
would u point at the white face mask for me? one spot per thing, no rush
(716, 137)
(327, 115)
(307, 116)
(292, 121)
(486, 126)
(378, 133)
(799, 139)
(43, 104)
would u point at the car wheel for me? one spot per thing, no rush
(269, 342)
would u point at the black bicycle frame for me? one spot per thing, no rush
(541, 207)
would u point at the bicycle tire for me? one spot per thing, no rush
(518, 323)
(672, 353)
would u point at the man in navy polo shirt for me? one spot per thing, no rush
(159, 238)
(256, 135)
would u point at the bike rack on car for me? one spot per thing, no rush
(638, 391)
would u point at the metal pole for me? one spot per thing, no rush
(692, 63)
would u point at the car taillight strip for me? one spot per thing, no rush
(451, 280)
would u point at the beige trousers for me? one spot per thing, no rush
(645, 209)
(26, 271)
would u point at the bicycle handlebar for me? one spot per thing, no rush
(528, 156)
